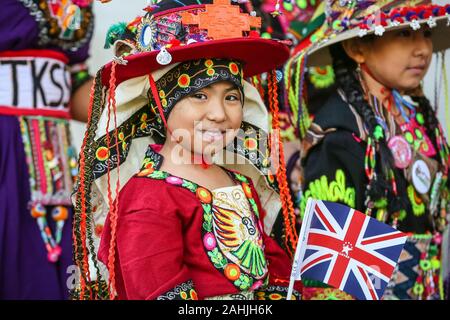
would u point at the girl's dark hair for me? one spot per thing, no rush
(347, 80)
(290, 167)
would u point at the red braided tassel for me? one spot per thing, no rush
(291, 236)
(113, 205)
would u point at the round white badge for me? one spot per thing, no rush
(163, 57)
(421, 177)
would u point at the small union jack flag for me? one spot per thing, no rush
(346, 249)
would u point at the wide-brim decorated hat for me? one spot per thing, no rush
(176, 31)
(347, 19)
(133, 94)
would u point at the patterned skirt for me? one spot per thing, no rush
(35, 252)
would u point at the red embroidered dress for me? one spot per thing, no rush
(175, 242)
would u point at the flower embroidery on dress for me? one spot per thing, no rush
(237, 232)
(335, 191)
(273, 292)
(232, 239)
(183, 291)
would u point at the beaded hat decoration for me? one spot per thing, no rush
(346, 19)
(174, 31)
(132, 96)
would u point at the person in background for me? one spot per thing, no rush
(44, 82)
(378, 146)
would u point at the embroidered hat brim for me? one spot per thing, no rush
(257, 56)
(319, 55)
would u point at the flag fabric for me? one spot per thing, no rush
(346, 249)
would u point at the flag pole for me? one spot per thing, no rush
(295, 273)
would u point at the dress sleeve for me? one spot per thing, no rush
(334, 171)
(149, 257)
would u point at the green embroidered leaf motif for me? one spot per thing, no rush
(189, 185)
(207, 218)
(254, 207)
(158, 175)
(217, 258)
(207, 226)
(240, 177)
(207, 222)
(244, 282)
(335, 191)
(252, 258)
(207, 208)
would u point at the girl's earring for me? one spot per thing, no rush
(358, 68)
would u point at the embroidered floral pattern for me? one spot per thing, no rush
(335, 191)
(237, 232)
(325, 294)
(276, 293)
(253, 144)
(141, 124)
(183, 291)
(249, 270)
(191, 76)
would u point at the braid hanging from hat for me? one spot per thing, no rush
(285, 194)
(83, 234)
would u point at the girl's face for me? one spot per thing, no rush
(209, 119)
(399, 59)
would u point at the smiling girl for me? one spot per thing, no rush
(185, 224)
(379, 147)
